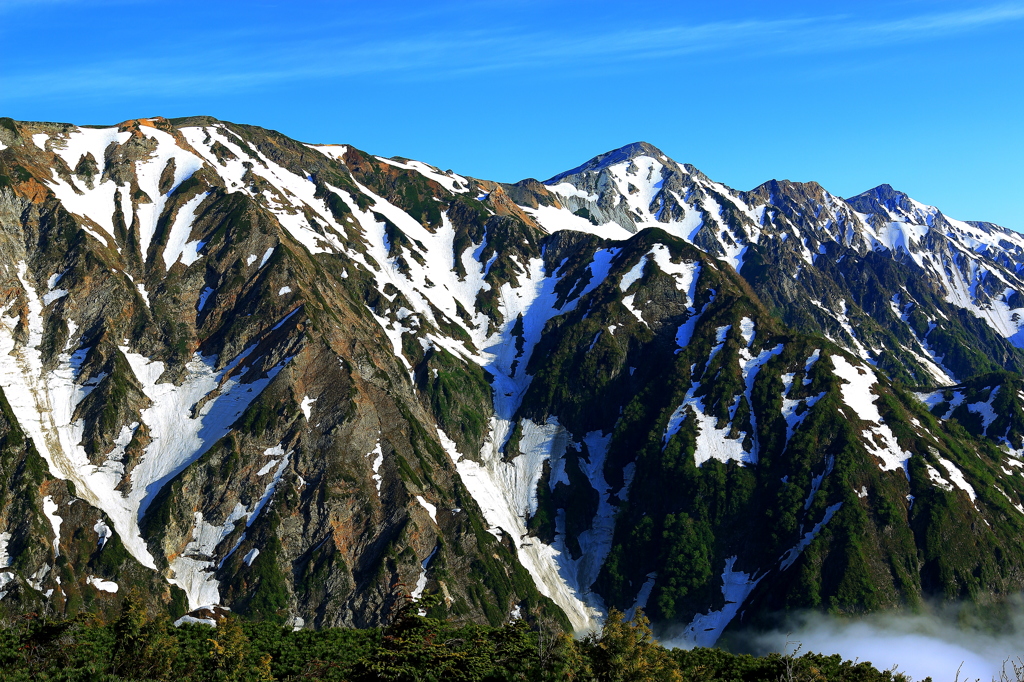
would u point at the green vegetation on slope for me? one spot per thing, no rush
(411, 648)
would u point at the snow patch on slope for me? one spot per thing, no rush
(103, 533)
(102, 585)
(957, 477)
(713, 442)
(431, 509)
(796, 410)
(856, 392)
(44, 403)
(793, 554)
(705, 629)
(378, 460)
(456, 184)
(50, 512)
(5, 558)
(193, 569)
(307, 406)
(178, 247)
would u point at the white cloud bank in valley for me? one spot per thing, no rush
(919, 646)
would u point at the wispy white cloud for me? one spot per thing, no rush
(22, 5)
(283, 55)
(18, 4)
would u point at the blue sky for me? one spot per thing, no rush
(927, 96)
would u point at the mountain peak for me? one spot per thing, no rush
(881, 199)
(787, 187)
(886, 194)
(893, 205)
(601, 161)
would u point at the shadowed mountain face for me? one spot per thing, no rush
(302, 382)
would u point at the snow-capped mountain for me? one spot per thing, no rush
(817, 259)
(301, 381)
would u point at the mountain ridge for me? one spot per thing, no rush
(303, 381)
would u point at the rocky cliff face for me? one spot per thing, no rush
(302, 382)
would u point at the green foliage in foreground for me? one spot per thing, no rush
(412, 648)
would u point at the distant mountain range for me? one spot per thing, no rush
(302, 382)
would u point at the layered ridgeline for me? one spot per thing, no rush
(301, 382)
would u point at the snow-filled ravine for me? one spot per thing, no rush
(504, 490)
(44, 403)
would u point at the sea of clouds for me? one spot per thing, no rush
(919, 646)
